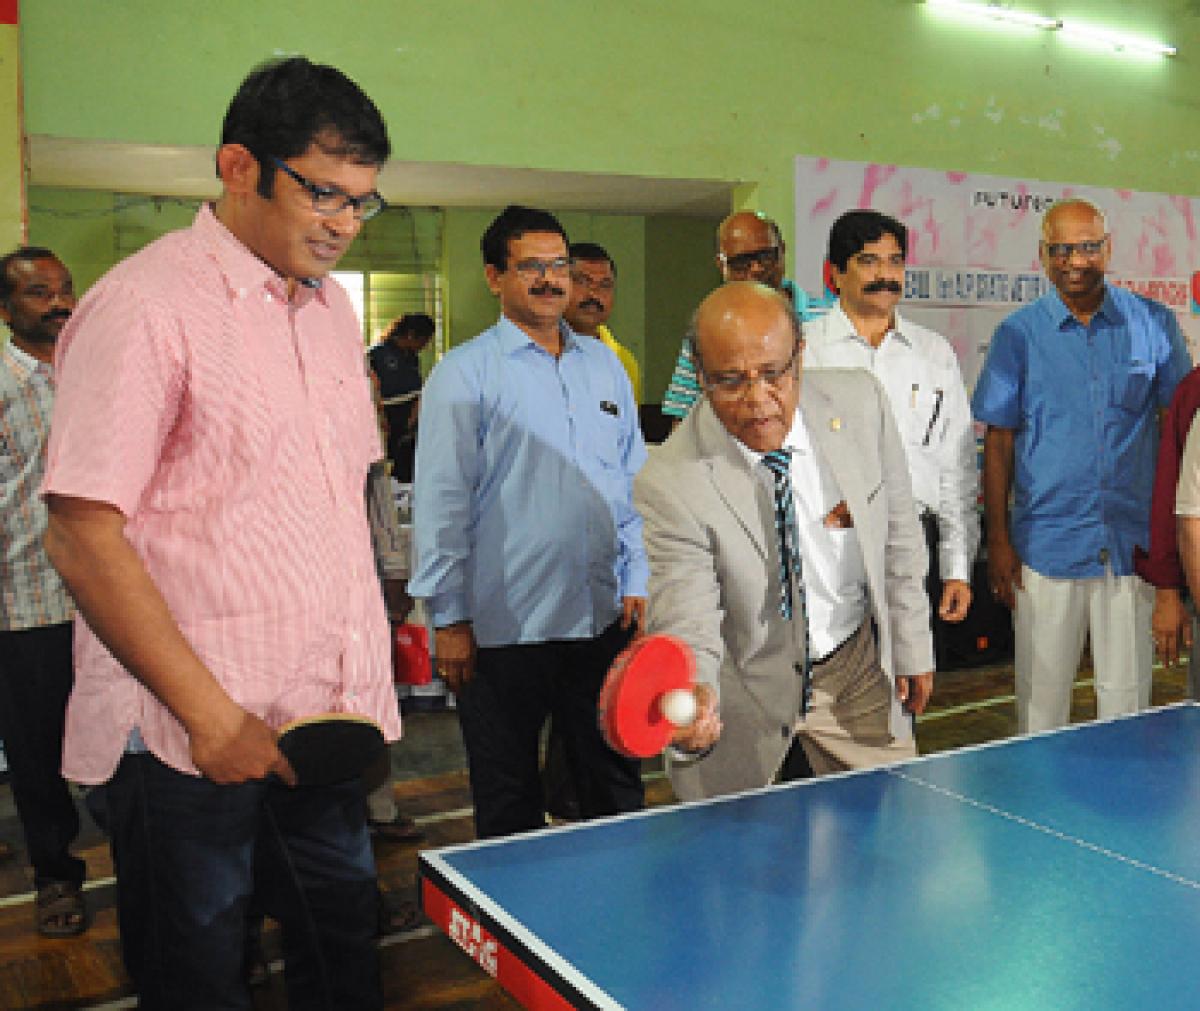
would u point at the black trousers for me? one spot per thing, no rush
(36, 675)
(933, 589)
(502, 711)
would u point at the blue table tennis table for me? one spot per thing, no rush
(1055, 871)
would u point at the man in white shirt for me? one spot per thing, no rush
(785, 551)
(920, 374)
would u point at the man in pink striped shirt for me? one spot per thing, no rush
(205, 479)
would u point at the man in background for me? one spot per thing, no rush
(36, 673)
(394, 360)
(526, 545)
(750, 247)
(1071, 391)
(919, 371)
(593, 286)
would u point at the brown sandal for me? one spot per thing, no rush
(60, 910)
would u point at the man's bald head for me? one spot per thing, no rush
(1074, 209)
(750, 248)
(747, 343)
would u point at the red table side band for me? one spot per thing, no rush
(8, 12)
(488, 953)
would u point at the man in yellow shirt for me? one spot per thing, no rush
(593, 284)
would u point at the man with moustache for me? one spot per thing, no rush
(1070, 392)
(206, 479)
(750, 247)
(36, 299)
(919, 372)
(593, 285)
(785, 551)
(526, 545)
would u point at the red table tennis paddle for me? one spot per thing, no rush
(330, 747)
(647, 696)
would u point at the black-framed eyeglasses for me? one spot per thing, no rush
(328, 200)
(1090, 248)
(727, 386)
(743, 263)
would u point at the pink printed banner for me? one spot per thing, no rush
(973, 242)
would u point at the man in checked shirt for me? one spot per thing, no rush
(36, 299)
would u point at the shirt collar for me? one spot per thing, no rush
(840, 327)
(26, 364)
(245, 272)
(513, 338)
(1109, 311)
(796, 440)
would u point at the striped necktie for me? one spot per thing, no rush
(791, 573)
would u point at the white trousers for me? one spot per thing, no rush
(1050, 621)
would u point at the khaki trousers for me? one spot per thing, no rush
(847, 722)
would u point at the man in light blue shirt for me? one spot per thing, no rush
(1070, 392)
(526, 544)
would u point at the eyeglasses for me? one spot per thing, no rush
(329, 201)
(534, 269)
(726, 386)
(743, 263)
(587, 281)
(1065, 250)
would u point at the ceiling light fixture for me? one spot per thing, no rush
(997, 12)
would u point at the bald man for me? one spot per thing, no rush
(749, 248)
(1070, 392)
(811, 651)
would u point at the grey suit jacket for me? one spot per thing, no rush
(714, 569)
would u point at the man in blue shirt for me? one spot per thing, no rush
(526, 543)
(1070, 392)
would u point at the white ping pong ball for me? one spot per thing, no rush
(678, 706)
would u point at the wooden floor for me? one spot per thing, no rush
(421, 969)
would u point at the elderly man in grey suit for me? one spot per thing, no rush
(785, 550)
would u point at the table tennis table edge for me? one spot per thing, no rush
(536, 975)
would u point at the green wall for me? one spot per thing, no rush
(702, 90)
(699, 89)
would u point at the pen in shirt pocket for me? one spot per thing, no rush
(937, 409)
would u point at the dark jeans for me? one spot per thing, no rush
(502, 711)
(36, 676)
(188, 854)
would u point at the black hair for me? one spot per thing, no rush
(511, 223)
(284, 106)
(412, 324)
(855, 229)
(593, 252)
(22, 254)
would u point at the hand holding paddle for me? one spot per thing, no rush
(235, 746)
(648, 699)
